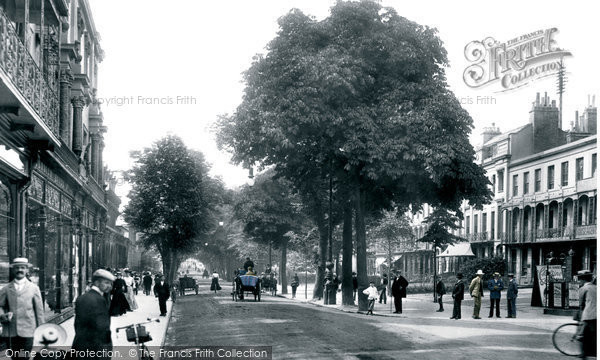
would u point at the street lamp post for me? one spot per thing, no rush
(549, 258)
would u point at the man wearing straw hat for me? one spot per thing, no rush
(476, 291)
(22, 309)
(92, 317)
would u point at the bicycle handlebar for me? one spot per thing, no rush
(135, 325)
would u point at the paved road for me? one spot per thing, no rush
(304, 331)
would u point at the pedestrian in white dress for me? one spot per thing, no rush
(129, 294)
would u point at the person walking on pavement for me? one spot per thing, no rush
(511, 296)
(399, 291)
(354, 285)
(129, 295)
(373, 294)
(495, 285)
(119, 304)
(458, 294)
(440, 290)
(587, 312)
(23, 310)
(162, 292)
(92, 317)
(476, 291)
(147, 283)
(382, 294)
(295, 284)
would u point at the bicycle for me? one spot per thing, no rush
(566, 339)
(137, 334)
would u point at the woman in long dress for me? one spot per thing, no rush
(214, 285)
(119, 304)
(129, 293)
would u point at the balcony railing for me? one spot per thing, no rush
(26, 76)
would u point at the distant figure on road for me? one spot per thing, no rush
(248, 263)
(205, 274)
(440, 290)
(588, 309)
(495, 285)
(373, 294)
(147, 283)
(476, 291)
(511, 296)
(295, 284)
(214, 285)
(458, 294)
(399, 291)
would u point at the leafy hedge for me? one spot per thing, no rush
(488, 265)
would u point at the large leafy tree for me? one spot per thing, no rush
(167, 200)
(361, 95)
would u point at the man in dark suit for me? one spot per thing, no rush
(147, 283)
(458, 294)
(92, 317)
(399, 291)
(162, 292)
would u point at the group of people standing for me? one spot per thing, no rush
(399, 286)
(123, 293)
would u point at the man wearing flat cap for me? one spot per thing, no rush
(92, 317)
(22, 309)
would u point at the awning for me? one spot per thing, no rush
(459, 249)
(382, 260)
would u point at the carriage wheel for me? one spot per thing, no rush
(259, 290)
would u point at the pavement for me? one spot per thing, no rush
(422, 306)
(147, 308)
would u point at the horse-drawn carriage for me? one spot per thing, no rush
(269, 283)
(246, 285)
(187, 283)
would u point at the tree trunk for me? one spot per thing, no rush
(323, 238)
(347, 288)
(283, 270)
(361, 250)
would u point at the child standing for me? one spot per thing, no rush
(373, 294)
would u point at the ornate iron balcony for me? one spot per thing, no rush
(26, 76)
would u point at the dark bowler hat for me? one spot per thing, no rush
(459, 275)
(511, 275)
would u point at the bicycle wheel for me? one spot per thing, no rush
(565, 341)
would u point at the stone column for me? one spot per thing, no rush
(100, 162)
(546, 220)
(95, 156)
(575, 212)
(66, 79)
(78, 104)
(534, 223)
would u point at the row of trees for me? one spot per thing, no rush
(355, 114)
(351, 122)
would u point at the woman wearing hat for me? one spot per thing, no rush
(119, 304)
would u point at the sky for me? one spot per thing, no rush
(174, 67)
